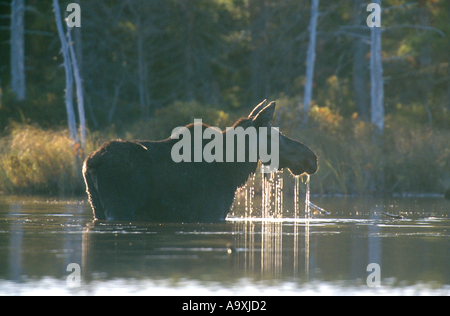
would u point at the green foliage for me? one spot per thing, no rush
(229, 54)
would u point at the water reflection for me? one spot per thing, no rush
(263, 237)
(15, 243)
(374, 251)
(39, 240)
(257, 249)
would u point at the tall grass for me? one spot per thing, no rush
(34, 160)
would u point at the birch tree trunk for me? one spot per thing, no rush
(311, 56)
(376, 77)
(69, 77)
(79, 87)
(18, 49)
(78, 39)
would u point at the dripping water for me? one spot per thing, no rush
(297, 196)
(307, 202)
(271, 229)
(271, 232)
(279, 194)
(249, 194)
(272, 200)
(272, 194)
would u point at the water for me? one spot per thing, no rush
(288, 252)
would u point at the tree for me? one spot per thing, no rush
(376, 77)
(18, 49)
(311, 56)
(106, 34)
(69, 77)
(79, 87)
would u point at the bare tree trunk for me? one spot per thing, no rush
(376, 78)
(377, 100)
(69, 77)
(311, 56)
(18, 49)
(77, 37)
(79, 86)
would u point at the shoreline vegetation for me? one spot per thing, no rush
(142, 68)
(410, 160)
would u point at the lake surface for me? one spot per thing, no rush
(287, 255)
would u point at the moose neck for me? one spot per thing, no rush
(237, 173)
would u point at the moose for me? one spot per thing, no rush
(140, 181)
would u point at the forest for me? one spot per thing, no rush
(147, 66)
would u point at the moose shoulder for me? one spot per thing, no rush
(156, 180)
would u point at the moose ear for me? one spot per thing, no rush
(258, 108)
(265, 115)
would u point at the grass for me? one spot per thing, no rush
(38, 161)
(410, 158)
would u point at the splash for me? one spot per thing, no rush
(309, 206)
(308, 189)
(249, 192)
(297, 196)
(271, 232)
(272, 195)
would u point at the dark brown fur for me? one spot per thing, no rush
(138, 180)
